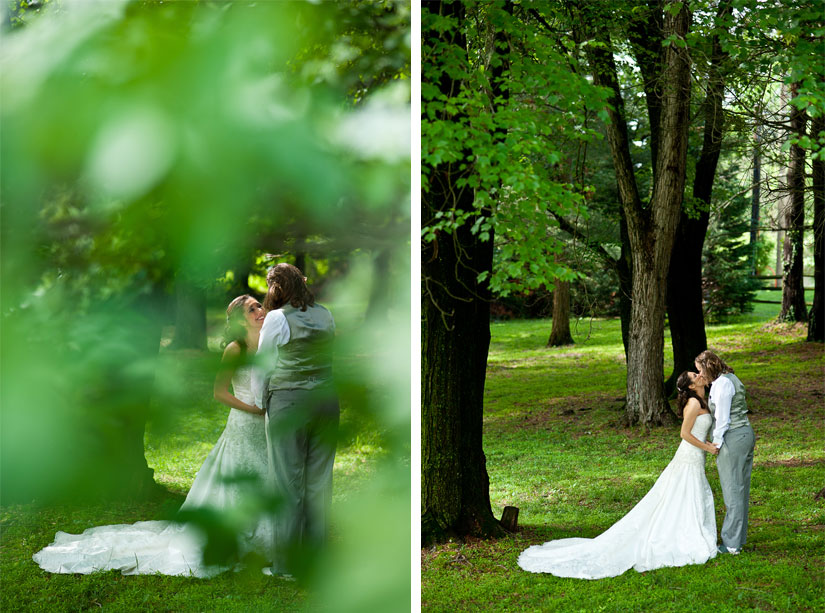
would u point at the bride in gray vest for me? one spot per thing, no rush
(295, 387)
(734, 437)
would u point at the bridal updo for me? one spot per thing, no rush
(234, 330)
(684, 392)
(287, 285)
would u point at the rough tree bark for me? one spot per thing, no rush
(455, 332)
(816, 318)
(684, 279)
(793, 292)
(651, 229)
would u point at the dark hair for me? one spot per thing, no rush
(683, 384)
(234, 330)
(287, 285)
(712, 365)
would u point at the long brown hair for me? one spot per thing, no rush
(712, 365)
(287, 286)
(684, 392)
(234, 329)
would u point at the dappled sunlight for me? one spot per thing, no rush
(566, 461)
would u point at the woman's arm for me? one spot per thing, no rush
(274, 334)
(220, 390)
(691, 412)
(722, 392)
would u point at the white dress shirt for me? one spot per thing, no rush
(721, 393)
(274, 334)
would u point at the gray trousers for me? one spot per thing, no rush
(301, 436)
(734, 463)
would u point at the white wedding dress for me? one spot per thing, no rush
(673, 525)
(168, 547)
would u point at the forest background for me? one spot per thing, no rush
(645, 159)
(156, 158)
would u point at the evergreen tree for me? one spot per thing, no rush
(728, 286)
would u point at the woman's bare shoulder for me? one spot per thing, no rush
(232, 350)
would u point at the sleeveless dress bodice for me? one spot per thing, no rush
(691, 454)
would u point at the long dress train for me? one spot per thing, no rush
(172, 548)
(673, 525)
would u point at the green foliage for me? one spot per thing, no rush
(144, 139)
(728, 284)
(555, 450)
(517, 105)
(784, 38)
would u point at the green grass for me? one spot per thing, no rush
(765, 311)
(555, 449)
(176, 444)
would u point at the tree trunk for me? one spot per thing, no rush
(756, 195)
(651, 230)
(684, 296)
(816, 318)
(121, 431)
(138, 479)
(190, 315)
(301, 262)
(379, 292)
(646, 402)
(684, 280)
(793, 292)
(560, 333)
(455, 333)
(624, 270)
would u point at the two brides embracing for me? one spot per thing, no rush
(280, 435)
(675, 524)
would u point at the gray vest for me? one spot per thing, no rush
(305, 362)
(738, 404)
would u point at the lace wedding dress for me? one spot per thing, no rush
(673, 525)
(171, 548)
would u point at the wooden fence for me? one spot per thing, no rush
(778, 288)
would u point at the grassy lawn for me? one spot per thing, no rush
(176, 444)
(555, 449)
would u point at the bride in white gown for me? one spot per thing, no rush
(172, 548)
(673, 525)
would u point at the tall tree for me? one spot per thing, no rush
(455, 329)
(560, 332)
(487, 139)
(651, 226)
(816, 317)
(793, 290)
(684, 278)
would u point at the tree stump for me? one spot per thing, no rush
(509, 519)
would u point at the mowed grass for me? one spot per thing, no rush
(556, 449)
(176, 444)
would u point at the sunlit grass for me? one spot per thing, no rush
(556, 450)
